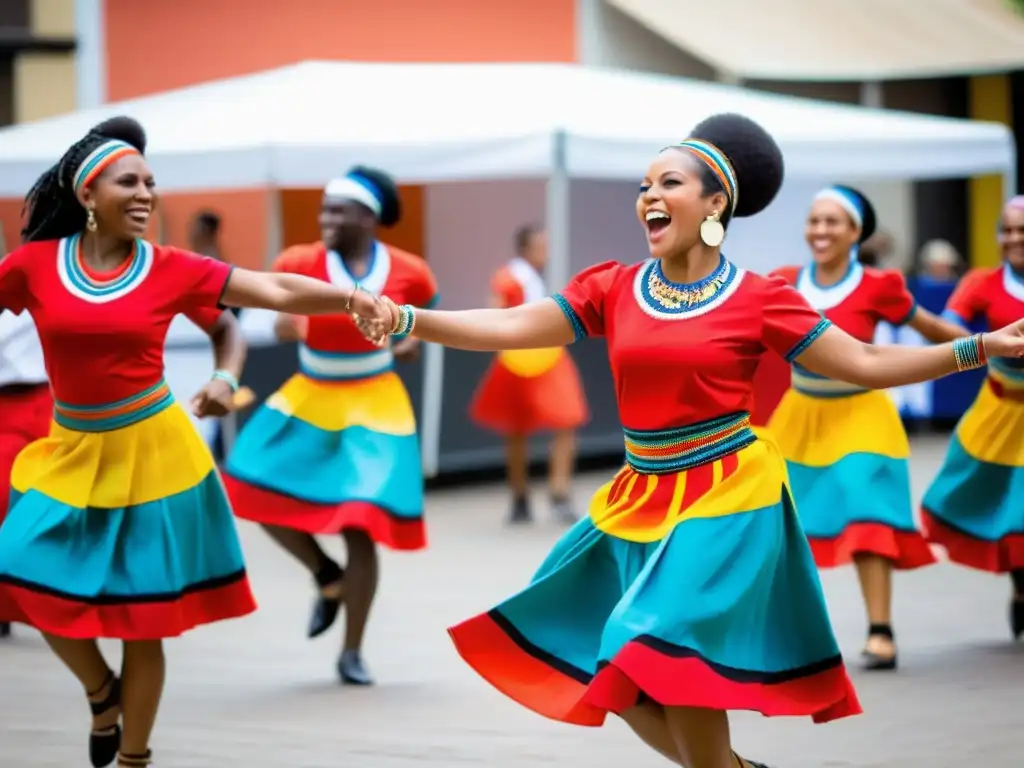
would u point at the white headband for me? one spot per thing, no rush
(847, 204)
(347, 188)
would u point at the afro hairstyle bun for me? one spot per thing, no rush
(869, 220)
(384, 185)
(753, 154)
(124, 128)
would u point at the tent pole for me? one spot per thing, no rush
(557, 217)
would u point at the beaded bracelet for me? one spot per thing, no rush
(969, 353)
(355, 289)
(227, 376)
(406, 321)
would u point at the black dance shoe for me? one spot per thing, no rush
(105, 742)
(325, 609)
(520, 512)
(5, 629)
(876, 662)
(1017, 617)
(352, 670)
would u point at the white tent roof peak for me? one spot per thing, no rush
(297, 126)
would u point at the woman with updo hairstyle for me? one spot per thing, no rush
(118, 525)
(334, 451)
(845, 446)
(690, 589)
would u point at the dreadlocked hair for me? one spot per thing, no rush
(52, 210)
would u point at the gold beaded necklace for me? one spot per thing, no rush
(672, 296)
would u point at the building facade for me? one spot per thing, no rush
(59, 54)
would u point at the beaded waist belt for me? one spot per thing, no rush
(344, 366)
(109, 416)
(658, 452)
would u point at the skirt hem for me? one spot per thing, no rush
(157, 618)
(268, 507)
(669, 675)
(1000, 556)
(906, 550)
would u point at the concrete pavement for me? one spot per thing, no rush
(256, 693)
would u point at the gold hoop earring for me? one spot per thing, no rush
(712, 233)
(90, 220)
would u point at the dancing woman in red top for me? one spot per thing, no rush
(690, 589)
(973, 507)
(845, 446)
(119, 526)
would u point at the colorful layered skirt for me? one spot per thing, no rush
(334, 448)
(530, 390)
(119, 527)
(847, 455)
(690, 584)
(975, 506)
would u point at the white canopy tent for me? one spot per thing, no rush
(296, 125)
(299, 125)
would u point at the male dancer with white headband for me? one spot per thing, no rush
(335, 451)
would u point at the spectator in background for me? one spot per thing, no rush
(204, 239)
(204, 234)
(938, 262)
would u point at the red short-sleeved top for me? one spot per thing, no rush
(103, 340)
(993, 294)
(401, 276)
(678, 366)
(860, 301)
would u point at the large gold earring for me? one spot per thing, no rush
(711, 231)
(90, 220)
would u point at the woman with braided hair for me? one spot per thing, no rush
(118, 525)
(690, 589)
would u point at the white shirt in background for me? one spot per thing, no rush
(21, 354)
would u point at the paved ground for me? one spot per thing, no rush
(255, 693)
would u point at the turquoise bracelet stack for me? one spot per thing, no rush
(406, 321)
(227, 376)
(969, 353)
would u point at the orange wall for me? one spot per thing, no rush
(156, 46)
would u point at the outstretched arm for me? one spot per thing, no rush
(528, 326)
(839, 356)
(299, 295)
(936, 329)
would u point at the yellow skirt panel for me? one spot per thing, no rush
(645, 508)
(992, 430)
(819, 431)
(148, 461)
(530, 363)
(380, 403)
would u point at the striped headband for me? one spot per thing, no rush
(849, 203)
(356, 188)
(99, 160)
(719, 164)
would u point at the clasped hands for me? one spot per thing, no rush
(376, 317)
